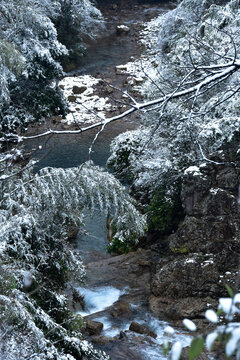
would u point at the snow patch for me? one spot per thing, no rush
(193, 170)
(83, 101)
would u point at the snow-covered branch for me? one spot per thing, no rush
(225, 70)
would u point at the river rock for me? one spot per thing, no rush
(93, 327)
(79, 89)
(122, 349)
(210, 200)
(120, 69)
(120, 308)
(142, 329)
(122, 29)
(187, 276)
(124, 271)
(109, 90)
(72, 98)
(101, 340)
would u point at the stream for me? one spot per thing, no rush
(117, 287)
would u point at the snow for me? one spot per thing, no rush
(190, 261)
(193, 170)
(207, 262)
(236, 299)
(85, 106)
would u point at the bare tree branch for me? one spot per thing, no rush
(225, 70)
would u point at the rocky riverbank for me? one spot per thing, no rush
(112, 72)
(205, 249)
(177, 277)
(116, 306)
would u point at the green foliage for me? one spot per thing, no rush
(69, 32)
(229, 290)
(166, 348)
(164, 213)
(11, 57)
(159, 213)
(7, 282)
(123, 148)
(56, 270)
(119, 247)
(76, 323)
(197, 346)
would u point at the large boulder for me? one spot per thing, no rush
(210, 197)
(204, 251)
(179, 309)
(187, 276)
(94, 327)
(142, 329)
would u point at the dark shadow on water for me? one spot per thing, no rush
(67, 151)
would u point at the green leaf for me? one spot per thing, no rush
(165, 348)
(196, 347)
(229, 290)
(219, 312)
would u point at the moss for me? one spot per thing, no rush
(181, 250)
(164, 213)
(159, 213)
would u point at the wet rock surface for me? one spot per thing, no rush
(204, 251)
(142, 329)
(93, 327)
(178, 309)
(131, 273)
(123, 271)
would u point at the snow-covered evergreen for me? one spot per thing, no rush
(184, 131)
(36, 213)
(30, 35)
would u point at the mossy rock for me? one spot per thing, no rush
(181, 250)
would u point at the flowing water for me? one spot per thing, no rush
(70, 151)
